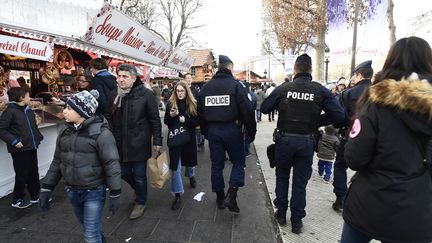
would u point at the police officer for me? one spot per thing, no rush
(300, 103)
(224, 109)
(348, 99)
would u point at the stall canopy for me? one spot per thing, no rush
(109, 32)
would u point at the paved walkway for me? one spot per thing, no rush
(193, 222)
(322, 223)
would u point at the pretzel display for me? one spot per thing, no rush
(50, 74)
(14, 58)
(63, 59)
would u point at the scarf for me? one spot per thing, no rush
(120, 94)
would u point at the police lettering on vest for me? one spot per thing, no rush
(217, 100)
(300, 96)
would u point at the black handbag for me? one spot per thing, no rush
(178, 135)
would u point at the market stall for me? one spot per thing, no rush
(50, 59)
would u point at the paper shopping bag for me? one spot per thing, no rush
(159, 170)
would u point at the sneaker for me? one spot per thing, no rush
(35, 199)
(21, 203)
(137, 211)
(326, 179)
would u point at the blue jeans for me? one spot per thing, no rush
(226, 137)
(176, 179)
(325, 167)
(247, 148)
(88, 205)
(258, 115)
(351, 235)
(200, 140)
(135, 174)
(293, 152)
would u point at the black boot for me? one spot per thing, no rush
(280, 216)
(338, 204)
(297, 226)
(220, 199)
(177, 202)
(192, 182)
(230, 200)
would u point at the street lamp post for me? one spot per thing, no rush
(326, 55)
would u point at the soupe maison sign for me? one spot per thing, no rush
(115, 31)
(38, 50)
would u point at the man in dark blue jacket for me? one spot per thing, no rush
(300, 104)
(348, 99)
(103, 81)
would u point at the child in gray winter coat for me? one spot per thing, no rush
(326, 151)
(86, 158)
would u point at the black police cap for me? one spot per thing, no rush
(224, 59)
(366, 64)
(305, 59)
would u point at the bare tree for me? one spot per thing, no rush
(300, 24)
(169, 19)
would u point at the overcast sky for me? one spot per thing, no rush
(233, 27)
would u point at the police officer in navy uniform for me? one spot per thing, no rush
(224, 111)
(300, 103)
(348, 99)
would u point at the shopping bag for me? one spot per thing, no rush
(159, 170)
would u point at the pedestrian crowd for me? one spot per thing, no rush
(380, 127)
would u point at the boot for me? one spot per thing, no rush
(220, 199)
(177, 202)
(296, 226)
(192, 182)
(230, 200)
(280, 216)
(137, 211)
(338, 204)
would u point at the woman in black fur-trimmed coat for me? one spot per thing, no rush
(390, 198)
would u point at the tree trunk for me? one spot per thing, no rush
(320, 45)
(390, 22)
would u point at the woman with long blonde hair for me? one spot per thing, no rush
(181, 111)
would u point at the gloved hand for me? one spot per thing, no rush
(44, 198)
(114, 203)
(250, 139)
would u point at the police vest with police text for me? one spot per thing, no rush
(300, 107)
(219, 99)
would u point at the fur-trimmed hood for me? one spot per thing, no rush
(411, 97)
(407, 95)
